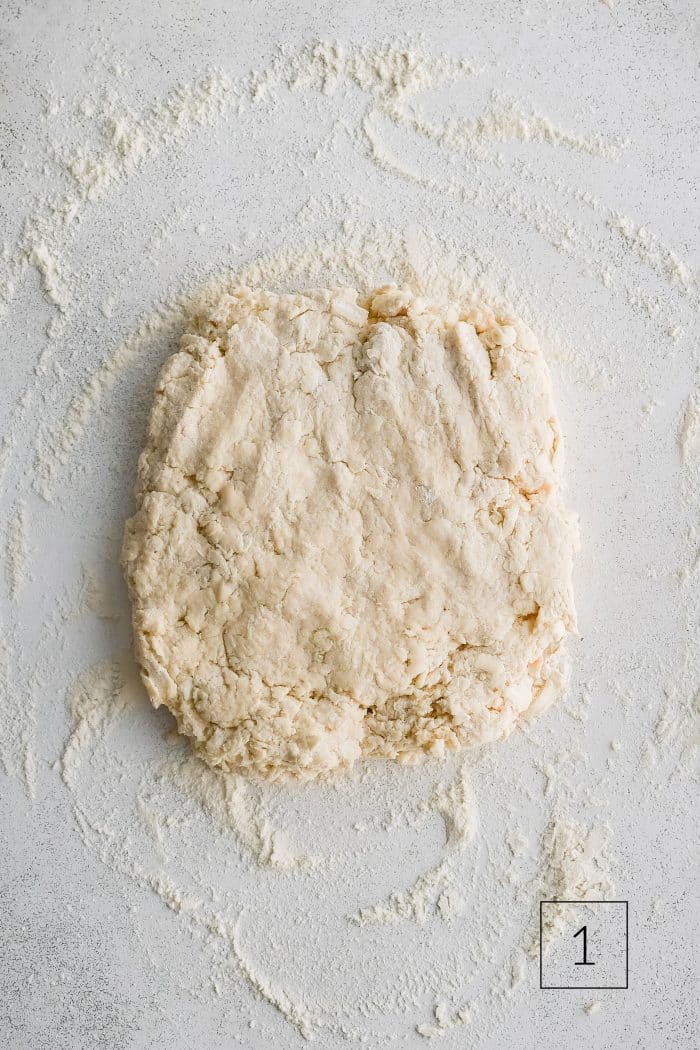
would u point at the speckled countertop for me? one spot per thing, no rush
(141, 909)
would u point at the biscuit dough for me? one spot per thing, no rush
(350, 538)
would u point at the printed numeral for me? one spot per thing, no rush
(585, 961)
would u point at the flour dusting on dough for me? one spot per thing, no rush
(350, 538)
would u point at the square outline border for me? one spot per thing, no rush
(590, 987)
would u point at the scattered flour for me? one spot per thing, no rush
(96, 699)
(202, 918)
(517, 842)
(445, 1021)
(430, 894)
(55, 450)
(137, 813)
(435, 891)
(17, 722)
(392, 75)
(295, 1012)
(689, 434)
(360, 255)
(231, 802)
(575, 866)
(18, 550)
(96, 703)
(651, 250)
(56, 292)
(97, 594)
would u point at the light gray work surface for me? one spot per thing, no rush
(90, 956)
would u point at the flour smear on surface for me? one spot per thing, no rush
(466, 849)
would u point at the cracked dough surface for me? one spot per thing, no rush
(350, 538)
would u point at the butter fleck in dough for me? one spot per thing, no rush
(350, 538)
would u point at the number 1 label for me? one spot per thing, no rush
(585, 961)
